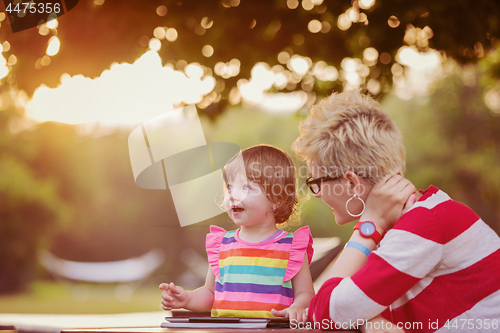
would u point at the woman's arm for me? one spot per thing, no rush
(201, 299)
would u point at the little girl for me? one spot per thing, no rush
(257, 270)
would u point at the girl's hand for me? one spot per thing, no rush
(173, 297)
(294, 314)
(386, 201)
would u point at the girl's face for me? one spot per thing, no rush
(246, 204)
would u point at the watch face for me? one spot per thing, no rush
(367, 229)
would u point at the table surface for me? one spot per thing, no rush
(148, 322)
(186, 330)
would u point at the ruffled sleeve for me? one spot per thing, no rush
(301, 244)
(214, 240)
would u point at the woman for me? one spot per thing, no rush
(438, 263)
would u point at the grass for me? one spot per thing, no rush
(64, 298)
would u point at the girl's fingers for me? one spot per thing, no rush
(168, 304)
(174, 288)
(168, 296)
(282, 313)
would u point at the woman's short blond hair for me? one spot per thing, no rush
(350, 131)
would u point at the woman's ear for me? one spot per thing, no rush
(357, 185)
(353, 183)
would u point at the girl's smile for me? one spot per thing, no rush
(237, 210)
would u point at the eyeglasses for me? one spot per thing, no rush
(315, 184)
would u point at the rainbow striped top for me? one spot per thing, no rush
(253, 278)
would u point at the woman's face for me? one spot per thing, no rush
(336, 193)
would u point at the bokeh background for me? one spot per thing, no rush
(73, 88)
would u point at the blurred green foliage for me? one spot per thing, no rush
(29, 204)
(452, 138)
(120, 32)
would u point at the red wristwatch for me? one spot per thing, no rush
(367, 229)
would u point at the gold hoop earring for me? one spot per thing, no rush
(355, 196)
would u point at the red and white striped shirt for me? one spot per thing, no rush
(436, 270)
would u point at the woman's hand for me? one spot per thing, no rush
(173, 297)
(386, 201)
(294, 314)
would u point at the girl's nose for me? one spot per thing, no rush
(236, 196)
(230, 196)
